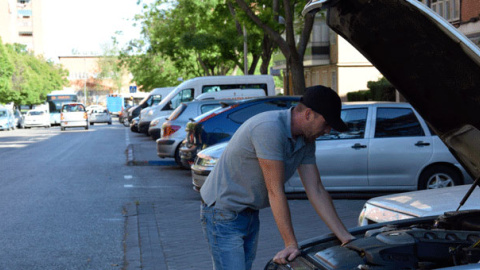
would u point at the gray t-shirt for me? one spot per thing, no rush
(237, 182)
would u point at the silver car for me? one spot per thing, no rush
(100, 115)
(389, 147)
(173, 129)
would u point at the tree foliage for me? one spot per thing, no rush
(194, 38)
(25, 78)
(267, 14)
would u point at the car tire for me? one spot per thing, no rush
(91, 124)
(62, 129)
(86, 127)
(439, 176)
(109, 123)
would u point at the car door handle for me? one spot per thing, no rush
(358, 146)
(421, 143)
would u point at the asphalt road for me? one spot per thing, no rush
(70, 201)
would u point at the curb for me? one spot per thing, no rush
(129, 153)
(132, 162)
(132, 238)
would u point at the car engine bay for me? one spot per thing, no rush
(453, 239)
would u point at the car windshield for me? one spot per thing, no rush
(3, 113)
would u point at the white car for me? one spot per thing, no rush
(100, 115)
(36, 118)
(389, 147)
(73, 115)
(415, 204)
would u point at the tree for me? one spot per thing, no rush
(290, 11)
(6, 72)
(28, 78)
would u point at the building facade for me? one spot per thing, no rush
(21, 22)
(332, 61)
(84, 79)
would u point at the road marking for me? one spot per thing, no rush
(127, 177)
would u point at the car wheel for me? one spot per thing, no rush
(439, 176)
(109, 123)
(86, 127)
(91, 124)
(62, 129)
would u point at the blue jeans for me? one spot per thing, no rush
(232, 236)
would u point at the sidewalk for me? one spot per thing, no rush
(166, 234)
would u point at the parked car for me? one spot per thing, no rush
(100, 115)
(7, 119)
(36, 118)
(389, 147)
(18, 118)
(123, 116)
(73, 115)
(173, 128)
(219, 125)
(414, 204)
(134, 124)
(437, 69)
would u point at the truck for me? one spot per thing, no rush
(115, 103)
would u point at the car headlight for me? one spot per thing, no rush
(150, 112)
(207, 161)
(154, 123)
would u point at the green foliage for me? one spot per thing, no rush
(26, 79)
(6, 71)
(362, 95)
(381, 90)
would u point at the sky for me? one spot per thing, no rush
(86, 25)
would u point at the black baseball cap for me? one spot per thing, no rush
(325, 101)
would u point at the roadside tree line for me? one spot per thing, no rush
(26, 79)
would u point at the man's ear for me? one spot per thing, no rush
(308, 114)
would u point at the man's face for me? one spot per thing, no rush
(316, 126)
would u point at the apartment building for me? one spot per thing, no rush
(21, 22)
(332, 61)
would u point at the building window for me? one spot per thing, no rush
(448, 9)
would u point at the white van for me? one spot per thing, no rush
(207, 87)
(153, 98)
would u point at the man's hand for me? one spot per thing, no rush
(286, 255)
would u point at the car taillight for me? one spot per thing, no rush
(169, 130)
(61, 116)
(85, 115)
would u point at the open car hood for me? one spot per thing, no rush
(436, 68)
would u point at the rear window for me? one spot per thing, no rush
(73, 108)
(178, 111)
(36, 113)
(243, 114)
